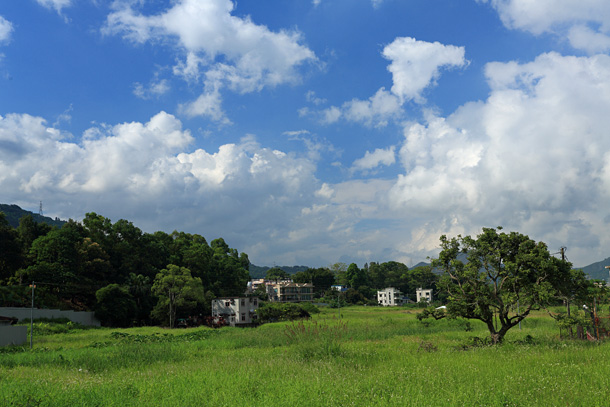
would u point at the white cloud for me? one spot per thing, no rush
(235, 52)
(415, 65)
(533, 157)
(6, 29)
(376, 158)
(572, 19)
(207, 104)
(582, 37)
(153, 90)
(377, 110)
(145, 172)
(58, 5)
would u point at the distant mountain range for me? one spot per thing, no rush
(14, 213)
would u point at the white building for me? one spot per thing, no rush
(237, 311)
(424, 295)
(390, 297)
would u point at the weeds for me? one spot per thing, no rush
(427, 347)
(316, 340)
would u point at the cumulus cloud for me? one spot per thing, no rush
(6, 29)
(145, 172)
(233, 52)
(415, 66)
(533, 157)
(577, 21)
(376, 158)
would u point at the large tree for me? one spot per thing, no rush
(177, 288)
(505, 277)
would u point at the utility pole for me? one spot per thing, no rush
(32, 316)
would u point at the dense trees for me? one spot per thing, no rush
(98, 264)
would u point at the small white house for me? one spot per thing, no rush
(424, 295)
(236, 311)
(390, 297)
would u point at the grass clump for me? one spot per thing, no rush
(313, 340)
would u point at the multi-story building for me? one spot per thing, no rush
(235, 311)
(288, 291)
(424, 294)
(390, 297)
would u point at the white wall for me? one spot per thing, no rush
(83, 318)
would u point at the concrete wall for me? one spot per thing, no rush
(83, 318)
(13, 335)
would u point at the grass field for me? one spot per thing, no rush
(369, 357)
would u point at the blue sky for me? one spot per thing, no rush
(310, 132)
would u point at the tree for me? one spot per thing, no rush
(115, 306)
(10, 249)
(355, 276)
(506, 276)
(176, 288)
(276, 273)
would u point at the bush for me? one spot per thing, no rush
(273, 312)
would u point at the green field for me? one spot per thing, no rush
(370, 357)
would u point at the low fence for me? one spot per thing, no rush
(81, 317)
(13, 335)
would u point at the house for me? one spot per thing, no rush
(235, 311)
(289, 291)
(340, 288)
(391, 297)
(424, 295)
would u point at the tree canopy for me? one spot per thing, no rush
(505, 277)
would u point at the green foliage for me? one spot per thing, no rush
(273, 312)
(176, 289)
(383, 357)
(506, 277)
(276, 273)
(115, 306)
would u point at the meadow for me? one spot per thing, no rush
(369, 356)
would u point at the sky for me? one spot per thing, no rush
(310, 132)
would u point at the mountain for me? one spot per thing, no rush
(14, 213)
(597, 271)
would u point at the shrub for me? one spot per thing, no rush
(273, 312)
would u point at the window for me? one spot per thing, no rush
(243, 302)
(243, 317)
(255, 301)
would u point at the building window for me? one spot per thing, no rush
(243, 302)
(243, 317)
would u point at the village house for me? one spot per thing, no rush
(235, 311)
(424, 294)
(390, 297)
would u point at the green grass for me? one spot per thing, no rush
(370, 357)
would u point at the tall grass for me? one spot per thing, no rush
(368, 357)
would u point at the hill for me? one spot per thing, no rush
(14, 213)
(597, 270)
